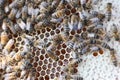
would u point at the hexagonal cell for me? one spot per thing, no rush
(43, 30)
(101, 51)
(43, 51)
(49, 65)
(73, 10)
(52, 76)
(35, 64)
(61, 57)
(52, 32)
(38, 68)
(48, 29)
(59, 47)
(54, 64)
(36, 58)
(37, 74)
(95, 54)
(72, 32)
(43, 73)
(64, 45)
(58, 68)
(67, 55)
(48, 71)
(53, 70)
(45, 61)
(44, 67)
(41, 57)
(41, 78)
(57, 31)
(60, 63)
(40, 63)
(63, 51)
(57, 52)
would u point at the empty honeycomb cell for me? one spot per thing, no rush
(73, 10)
(37, 53)
(41, 57)
(68, 50)
(72, 32)
(53, 70)
(38, 68)
(37, 74)
(43, 51)
(35, 64)
(46, 77)
(95, 54)
(61, 57)
(16, 44)
(48, 71)
(54, 64)
(59, 47)
(44, 67)
(64, 45)
(66, 61)
(48, 29)
(36, 78)
(40, 63)
(57, 74)
(58, 68)
(57, 52)
(57, 31)
(84, 29)
(16, 49)
(50, 60)
(23, 43)
(19, 38)
(49, 65)
(60, 63)
(45, 61)
(52, 76)
(42, 36)
(43, 73)
(38, 32)
(43, 30)
(100, 51)
(70, 37)
(36, 58)
(63, 51)
(75, 70)
(79, 31)
(41, 78)
(67, 56)
(47, 34)
(36, 37)
(52, 32)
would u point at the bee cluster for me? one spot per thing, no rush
(38, 38)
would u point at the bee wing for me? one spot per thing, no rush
(70, 26)
(80, 25)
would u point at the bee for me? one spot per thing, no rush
(4, 25)
(22, 24)
(84, 35)
(7, 9)
(58, 13)
(12, 14)
(94, 20)
(52, 55)
(70, 45)
(113, 57)
(4, 38)
(24, 12)
(30, 8)
(109, 11)
(17, 28)
(3, 63)
(9, 45)
(11, 27)
(83, 4)
(105, 45)
(13, 4)
(89, 4)
(18, 14)
(77, 77)
(61, 5)
(56, 20)
(77, 61)
(107, 37)
(99, 31)
(29, 25)
(94, 48)
(93, 13)
(101, 16)
(74, 21)
(94, 41)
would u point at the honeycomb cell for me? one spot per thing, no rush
(45, 61)
(95, 54)
(100, 51)
(73, 10)
(23, 43)
(44, 67)
(47, 34)
(70, 37)
(16, 49)
(41, 57)
(31, 60)
(38, 32)
(68, 6)
(48, 71)
(43, 51)
(84, 29)
(38, 68)
(54, 64)
(42, 36)
(40, 63)
(49, 65)
(36, 58)
(72, 32)
(43, 30)
(57, 52)
(53, 70)
(46, 77)
(35, 64)
(36, 37)
(17, 44)
(10, 36)
(37, 74)
(52, 76)
(66, 61)
(57, 31)
(67, 56)
(41, 78)
(58, 68)
(48, 29)
(52, 32)
(63, 51)
(46, 56)
(61, 57)
(57, 74)
(59, 47)
(79, 31)
(37, 53)
(43, 73)
(67, 12)
(60, 63)
(64, 45)
(19, 38)
(68, 50)
(50, 60)
(36, 78)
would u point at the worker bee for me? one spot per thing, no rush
(113, 57)
(105, 45)
(30, 8)
(4, 38)
(58, 13)
(13, 4)
(74, 22)
(107, 37)
(83, 4)
(94, 41)
(94, 20)
(70, 45)
(9, 45)
(18, 14)
(24, 12)
(89, 5)
(98, 31)
(109, 11)
(84, 35)
(12, 14)
(28, 25)
(17, 28)
(52, 55)
(11, 76)
(61, 5)
(77, 61)
(4, 25)
(21, 24)
(77, 77)
(11, 27)
(94, 48)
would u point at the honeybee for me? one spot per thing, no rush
(28, 25)
(109, 11)
(99, 31)
(105, 45)
(70, 44)
(18, 14)
(12, 14)
(94, 41)
(61, 5)
(74, 22)
(79, 60)
(11, 27)
(24, 12)
(94, 20)
(83, 4)
(52, 55)
(9, 45)
(13, 4)
(107, 37)
(21, 24)
(58, 13)
(113, 57)
(84, 35)
(77, 77)
(89, 4)
(17, 28)
(4, 38)
(30, 8)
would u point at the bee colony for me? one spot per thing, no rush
(59, 40)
